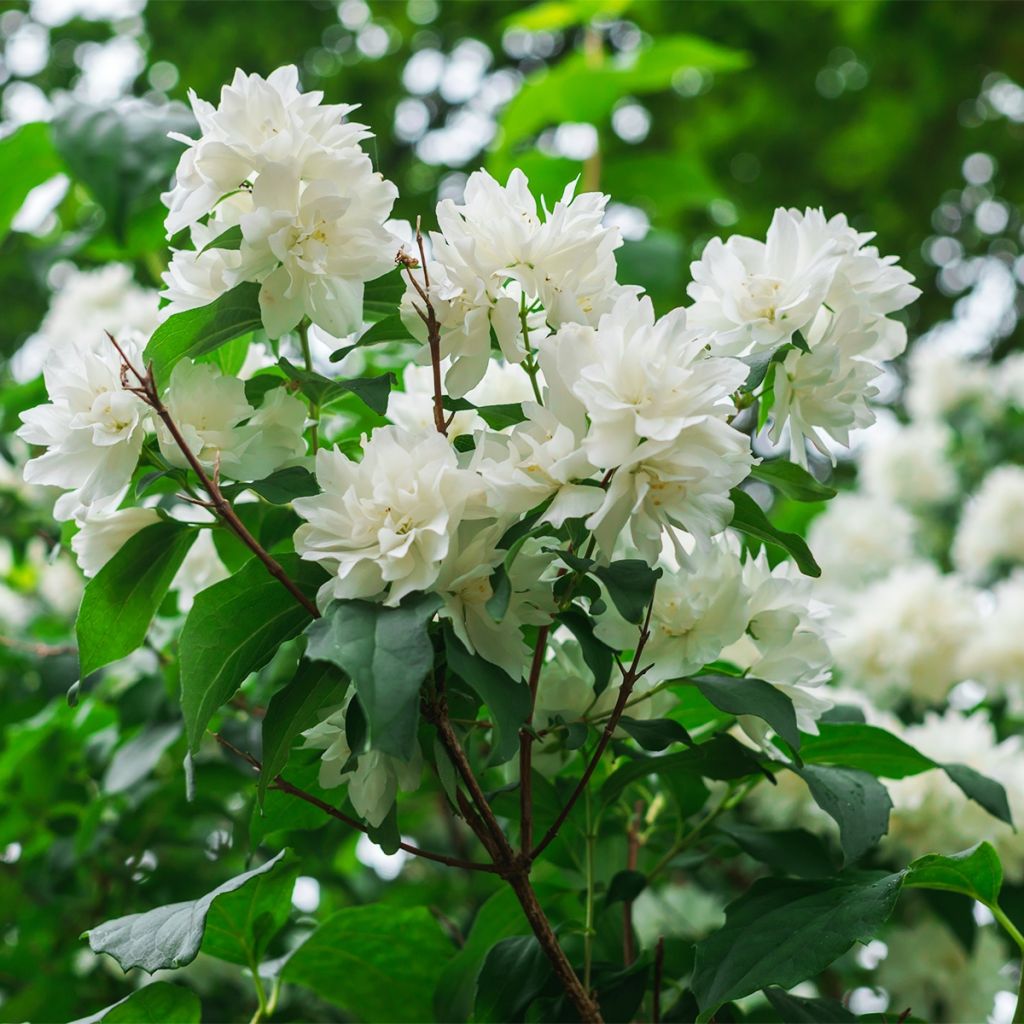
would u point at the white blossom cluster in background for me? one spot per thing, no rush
(629, 420)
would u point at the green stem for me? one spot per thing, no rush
(1014, 932)
(529, 363)
(314, 409)
(588, 933)
(264, 1008)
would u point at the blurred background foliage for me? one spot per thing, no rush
(698, 118)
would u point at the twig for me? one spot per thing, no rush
(526, 747)
(630, 676)
(40, 650)
(148, 392)
(632, 858)
(284, 786)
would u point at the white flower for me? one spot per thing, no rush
(903, 635)
(193, 278)
(87, 304)
(102, 533)
(201, 568)
(784, 642)
(385, 523)
(756, 295)
(994, 654)
(276, 430)
(932, 815)
(942, 378)
(858, 538)
(910, 464)
(496, 263)
(991, 529)
(92, 427)
(952, 982)
(374, 780)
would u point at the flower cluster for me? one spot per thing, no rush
(277, 190)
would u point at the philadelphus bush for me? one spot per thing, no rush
(537, 565)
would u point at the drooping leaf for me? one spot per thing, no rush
(167, 937)
(194, 332)
(158, 1003)
(976, 873)
(27, 159)
(792, 480)
(514, 973)
(371, 391)
(624, 887)
(793, 851)
(390, 328)
(749, 518)
(316, 685)
(387, 653)
(982, 790)
(121, 599)
(630, 583)
(372, 959)
(233, 629)
(285, 485)
(497, 417)
(799, 1010)
(598, 656)
(782, 931)
(507, 699)
(746, 696)
(655, 734)
(857, 802)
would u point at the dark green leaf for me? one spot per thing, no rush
(867, 747)
(797, 1010)
(982, 790)
(630, 583)
(121, 599)
(745, 696)
(513, 975)
(507, 699)
(497, 417)
(391, 328)
(291, 710)
(387, 653)
(781, 932)
(857, 802)
(371, 391)
(655, 734)
(976, 873)
(27, 159)
(233, 629)
(791, 851)
(501, 594)
(597, 654)
(167, 937)
(624, 887)
(286, 484)
(748, 518)
(792, 480)
(230, 239)
(158, 1003)
(195, 332)
(372, 959)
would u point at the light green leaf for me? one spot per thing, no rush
(121, 599)
(316, 685)
(195, 332)
(782, 931)
(233, 629)
(387, 653)
(167, 937)
(159, 1003)
(230, 239)
(369, 960)
(554, 15)
(975, 872)
(139, 756)
(27, 159)
(792, 480)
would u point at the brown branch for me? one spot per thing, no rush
(283, 785)
(526, 747)
(40, 650)
(148, 392)
(659, 967)
(629, 678)
(632, 858)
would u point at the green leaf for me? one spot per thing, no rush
(317, 684)
(975, 872)
(867, 747)
(139, 756)
(513, 975)
(792, 851)
(233, 629)
(370, 960)
(746, 696)
(371, 391)
(168, 937)
(630, 583)
(27, 159)
(285, 485)
(721, 757)
(387, 652)
(194, 332)
(624, 887)
(792, 480)
(558, 14)
(240, 924)
(597, 654)
(655, 734)
(982, 790)
(121, 153)
(748, 518)
(497, 417)
(782, 931)
(121, 599)
(499, 917)
(230, 239)
(158, 1003)
(507, 699)
(857, 802)
(798, 1010)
